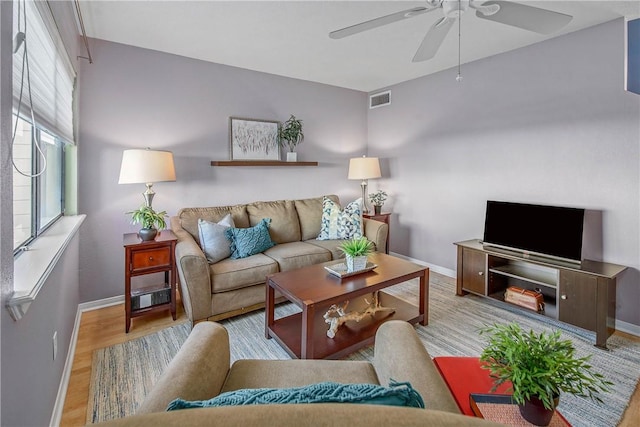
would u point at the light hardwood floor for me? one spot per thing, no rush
(105, 327)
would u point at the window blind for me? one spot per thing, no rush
(51, 73)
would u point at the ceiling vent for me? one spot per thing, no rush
(381, 99)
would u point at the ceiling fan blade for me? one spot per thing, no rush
(433, 39)
(378, 22)
(530, 18)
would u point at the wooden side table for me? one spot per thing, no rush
(382, 217)
(141, 258)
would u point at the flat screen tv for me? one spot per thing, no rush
(549, 231)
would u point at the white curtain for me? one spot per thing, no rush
(51, 72)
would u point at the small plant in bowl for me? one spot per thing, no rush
(356, 251)
(539, 367)
(150, 220)
(377, 200)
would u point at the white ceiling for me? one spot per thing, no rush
(290, 38)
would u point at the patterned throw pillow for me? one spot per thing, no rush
(250, 241)
(340, 223)
(213, 240)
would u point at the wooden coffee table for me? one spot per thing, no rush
(314, 290)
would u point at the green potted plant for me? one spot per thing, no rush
(539, 367)
(290, 134)
(150, 221)
(356, 251)
(377, 200)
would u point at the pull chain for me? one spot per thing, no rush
(459, 76)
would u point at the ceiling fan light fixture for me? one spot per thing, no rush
(454, 8)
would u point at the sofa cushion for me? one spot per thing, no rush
(397, 394)
(250, 241)
(213, 240)
(248, 373)
(230, 274)
(310, 215)
(284, 226)
(189, 217)
(332, 246)
(340, 223)
(290, 256)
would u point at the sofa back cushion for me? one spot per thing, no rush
(284, 226)
(189, 217)
(310, 215)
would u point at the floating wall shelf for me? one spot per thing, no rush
(260, 163)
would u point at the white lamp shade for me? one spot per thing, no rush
(146, 166)
(364, 168)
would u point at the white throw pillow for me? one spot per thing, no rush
(340, 223)
(213, 240)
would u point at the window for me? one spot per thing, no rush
(43, 82)
(38, 182)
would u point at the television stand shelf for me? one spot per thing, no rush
(583, 295)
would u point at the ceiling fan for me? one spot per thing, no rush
(530, 18)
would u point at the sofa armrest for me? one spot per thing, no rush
(377, 232)
(400, 355)
(197, 372)
(193, 271)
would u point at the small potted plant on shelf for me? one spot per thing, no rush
(290, 134)
(539, 367)
(150, 220)
(356, 251)
(377, 200)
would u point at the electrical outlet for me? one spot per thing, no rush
(55, 344)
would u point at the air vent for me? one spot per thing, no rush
(380, 99)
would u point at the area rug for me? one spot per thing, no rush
(123, 374)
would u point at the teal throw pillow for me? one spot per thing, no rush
(340, 223)
(213, 239)
(397, 394)
(250, 241)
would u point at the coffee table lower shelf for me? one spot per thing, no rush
(351, 336)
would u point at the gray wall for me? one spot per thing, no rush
(136, 98)
(30, 376)
(549, 124)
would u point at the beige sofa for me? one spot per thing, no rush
(230, 287)
(201, 370)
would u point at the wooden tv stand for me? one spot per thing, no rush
(582, 295)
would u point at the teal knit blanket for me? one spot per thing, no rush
(397, 394)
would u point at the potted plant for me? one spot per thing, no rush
(356, 251)
(377, 200)
(290, 134)
(539, 367)
(150, 220)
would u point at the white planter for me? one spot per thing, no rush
(356, 263)
(292, 157)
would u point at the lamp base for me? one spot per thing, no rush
(365, 205)
(148, 195)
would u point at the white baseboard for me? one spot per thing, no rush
(628, 328)
(56, 416)
(101, 303)
(436, 268)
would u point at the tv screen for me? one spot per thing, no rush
(544, 230)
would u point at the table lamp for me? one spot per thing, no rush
(146, 166)
(364, 168)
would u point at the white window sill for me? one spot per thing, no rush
(32, 267)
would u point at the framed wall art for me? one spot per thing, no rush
(253, 139)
